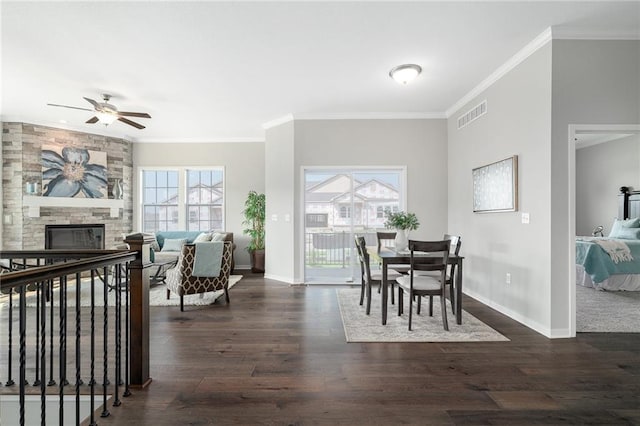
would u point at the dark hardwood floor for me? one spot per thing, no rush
(277, 355)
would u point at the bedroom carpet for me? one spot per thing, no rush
(157, 296)
(607, 311)
(360, 327)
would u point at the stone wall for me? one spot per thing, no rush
(21, 152)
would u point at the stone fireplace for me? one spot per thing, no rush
(25, 215)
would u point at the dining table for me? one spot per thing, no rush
(388, 255)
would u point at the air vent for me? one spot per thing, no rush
(473, 114)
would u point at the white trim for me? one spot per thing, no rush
(201, 140)
(282, 278)
(370, 116)
(511, 63)
(575, 129)
(35, 202)
(277, 121)
(568, 33)
(526, 321)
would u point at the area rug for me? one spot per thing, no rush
(360, 327)
(607, 311)
(157, 296)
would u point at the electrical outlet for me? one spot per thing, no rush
(507, 278)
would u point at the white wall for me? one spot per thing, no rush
(600, 171)
(420, 145)
(279, 189)
(518, 122)
(594, 82)
(243, 167)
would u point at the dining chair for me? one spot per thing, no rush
(368, 278)
(384, 236)
(425, 285)
(456, 243)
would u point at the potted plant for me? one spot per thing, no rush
(403, 222)
(254, 215)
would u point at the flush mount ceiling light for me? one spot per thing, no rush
(405, 73)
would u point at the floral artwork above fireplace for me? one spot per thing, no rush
(73, 172)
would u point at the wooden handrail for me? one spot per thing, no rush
(94, 259)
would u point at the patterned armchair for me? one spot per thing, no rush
(181, 281)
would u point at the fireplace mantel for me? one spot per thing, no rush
(35, 202)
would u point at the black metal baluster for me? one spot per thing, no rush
(10, 381)
(43, 354)
(23, 351)
(105, 380)
(117, 336)
(62, 333)
(78, 353)
(36, 381)
(52, 382)
(127, 391)
(92, 381)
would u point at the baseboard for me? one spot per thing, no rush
(528, 322)
(288, 280)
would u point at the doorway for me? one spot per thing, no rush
(584, 137)
(340, 203)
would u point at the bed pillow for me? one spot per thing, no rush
(623, 224)
(627, 234)
(174, 244)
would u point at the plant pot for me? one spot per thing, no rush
(257, 261)
(402, 239)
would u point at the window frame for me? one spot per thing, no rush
(183, 213)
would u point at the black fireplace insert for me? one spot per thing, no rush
(74, 237)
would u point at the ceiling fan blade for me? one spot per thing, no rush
(72, 107)
(92, 120)
(92, 102)
(131, 123)
(134, 114)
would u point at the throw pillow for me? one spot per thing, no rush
(203, 237)
(218, 236)
(173, 244)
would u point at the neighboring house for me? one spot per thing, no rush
(205, 207)
(329, 203)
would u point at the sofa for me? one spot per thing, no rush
(163, 253)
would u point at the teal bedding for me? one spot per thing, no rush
(598, 264)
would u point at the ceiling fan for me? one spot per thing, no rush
(107, 113)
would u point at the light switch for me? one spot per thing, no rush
(525, 218)
(274, 217)
(287, 217)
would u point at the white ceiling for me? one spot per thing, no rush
(217, 71)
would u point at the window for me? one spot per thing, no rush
(379, 212)
(345, 212)
(160, 200)
(317, 220)
(204, 199)
(191, 199)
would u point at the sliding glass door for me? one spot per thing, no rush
(338, 204)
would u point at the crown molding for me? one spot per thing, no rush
(533, 46)
(370, 116)
(568, 33)
(199, 140)
(278, 121)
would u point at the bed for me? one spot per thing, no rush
(601, 269)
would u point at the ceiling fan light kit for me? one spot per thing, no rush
(107, 113)
(405, 73)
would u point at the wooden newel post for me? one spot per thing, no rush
(139, 288)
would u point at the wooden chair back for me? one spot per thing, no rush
(385, 236)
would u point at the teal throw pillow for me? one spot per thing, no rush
(174, 244)
(626, 233)
(623, 224)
